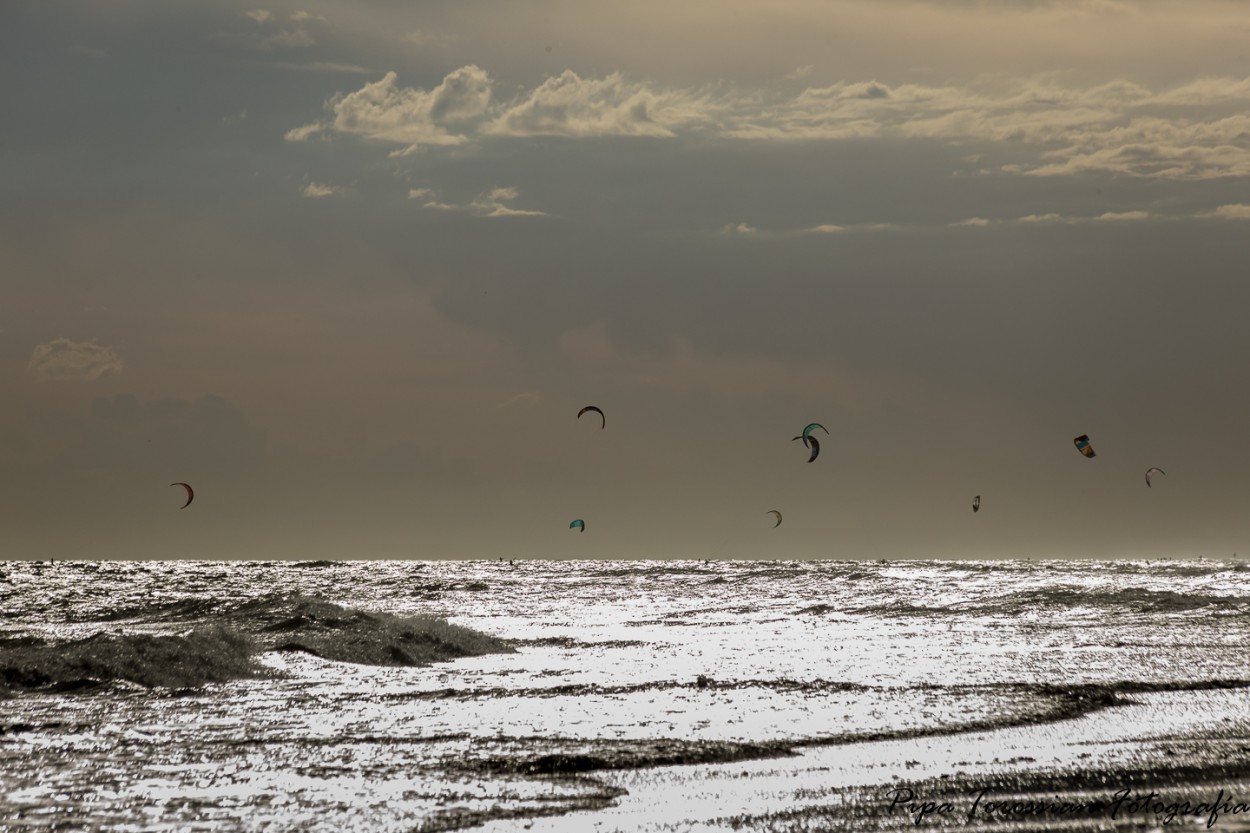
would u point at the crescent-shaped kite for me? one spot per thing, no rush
(811, 443)
(778, 514)
(597, 411)
(190, 494)
(1151, 471)
(579, 525)
(812, 426)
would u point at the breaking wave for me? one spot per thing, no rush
(223, 646)
(207, 655)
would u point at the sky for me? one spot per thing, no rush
(352, 269)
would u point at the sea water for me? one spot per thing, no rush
(576, 695)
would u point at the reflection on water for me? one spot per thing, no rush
(756, 676)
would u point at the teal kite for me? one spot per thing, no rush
(812, 426)
(579, 525)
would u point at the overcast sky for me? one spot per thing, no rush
(351, 270)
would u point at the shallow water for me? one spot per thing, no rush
(633, 685)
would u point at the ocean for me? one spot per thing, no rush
(648, 695)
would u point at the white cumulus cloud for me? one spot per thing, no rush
(385, 111)
(1199, 129)
(569, 105)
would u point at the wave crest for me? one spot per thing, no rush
(222, 645)
(206, 655)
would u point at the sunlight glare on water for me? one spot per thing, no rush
(641, 663)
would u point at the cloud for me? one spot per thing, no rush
(569, 105)
(383, 111)
(1196, 130)
(1023, 110)
(492, 204)
(1205, 92)
(301, 134)
(444, 206)
(564, 105)
(1105, 217)
(1118, 126)
(464, 94)
(744, 230)
(747, 230)
(1157, 148)
(1122, 216)
(296, 37)
(316, 191)
(840, 111)
(799, 72)
(1050, 217)
(405, 152)
(68, 360)
(1234, 211)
